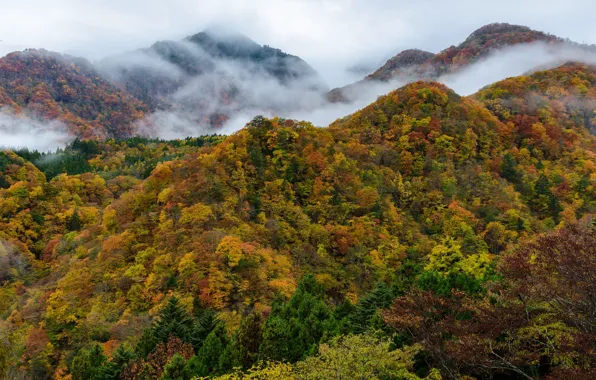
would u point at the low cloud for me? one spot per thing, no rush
(502, 64)
(21, 132)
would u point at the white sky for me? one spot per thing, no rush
(329, 34)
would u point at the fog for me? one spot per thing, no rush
(502, 64)
(203, 86)
(295, 103)
(21, 132)
(331, 35)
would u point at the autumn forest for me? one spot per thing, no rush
(427, 235)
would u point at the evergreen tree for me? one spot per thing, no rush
(74, 223)
(294, 330)
(248, 338)
(146, 344)
(211, 352)
(121, 358)
(87, 364)
(544, 200)
(204, 324)
(173, 320)
(193, 367)
(379, 298)
(176, 369)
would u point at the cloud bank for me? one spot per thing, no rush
(19, 132)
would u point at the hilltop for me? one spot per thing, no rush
(415, 64)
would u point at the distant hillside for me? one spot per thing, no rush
(480, 44)
(402, 64)
(417, 64)
(564, 97)
(50, 86)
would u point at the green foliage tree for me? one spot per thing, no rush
(87, 364)
(543, 199)
(214, 355)
(294, 329)
(204, 323)
(120, 359)
(74, 223)
(366, 309)
(509, 168)
(176, 369)
(173, 320)
(358, 357)
(248, 338)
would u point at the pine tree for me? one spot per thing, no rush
(173, 320)
(176, 369)
(544, 200)
(379, 298)
(87, 365)
(205, 323)
(146, 343)
(74, 223)
(121, 358)
(212, 350)
(193, 367)
(294, 330)
(248, 338)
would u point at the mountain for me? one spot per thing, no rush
(211, 76)
(416, 64)
(563, 97)
(48, 86)
(410, 216)
(402, 64)
(480, 44)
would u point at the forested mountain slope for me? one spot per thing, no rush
(415, 64)
(49, 86)
(284, 236)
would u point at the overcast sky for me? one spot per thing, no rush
(329, 34)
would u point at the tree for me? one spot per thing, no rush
(212, 356)
(4, 358)
(544, 201)
(205, 322)
(87, 364)
(176, 369)
(74, 223)
(445, 257)
(509, 169)
(359, 357)
(248, 338)
(294, 329)
(120, 359)
(366, 309)
(173, 320)
(146, 343)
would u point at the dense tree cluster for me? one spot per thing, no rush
(427, 235)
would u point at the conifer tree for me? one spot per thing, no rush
(204, 324)
(379, 298)
(121, 358)
(248, 339)
(173, 320)
(74, 223)
(294, 330)
(146, 343)
(176, 369)
(212, 351)
(87, 365)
